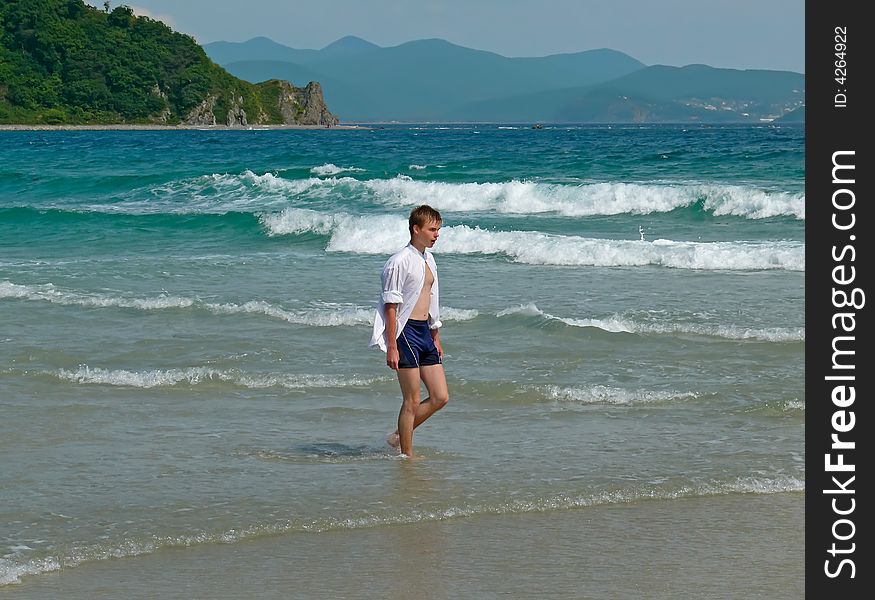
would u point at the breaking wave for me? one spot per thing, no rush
(621, 324)
(385, 234)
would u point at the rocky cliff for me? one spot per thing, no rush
(304, 106)
(280, 103)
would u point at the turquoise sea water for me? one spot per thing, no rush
(184, 319)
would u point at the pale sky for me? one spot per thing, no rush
(739, 34)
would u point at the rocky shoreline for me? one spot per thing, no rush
(130, 127)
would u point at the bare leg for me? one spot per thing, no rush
(424, 410)
(436, 383)
(409, 380)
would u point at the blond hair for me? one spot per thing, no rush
(422, 215)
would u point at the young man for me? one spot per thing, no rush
(407, 325)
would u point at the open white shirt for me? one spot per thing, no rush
(403, 277)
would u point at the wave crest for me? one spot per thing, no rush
(600, 394)
(622, 324)
(252, 192)
(326, 315)
(385, 234)
(198, 375)
(332, 169)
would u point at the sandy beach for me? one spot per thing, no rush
(124, 127)
(736, 546)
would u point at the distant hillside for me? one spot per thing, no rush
(415, 81)
(795, 116)
(658, 94)
(691, 93)
(62, 61)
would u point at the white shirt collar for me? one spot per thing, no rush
(415, 249)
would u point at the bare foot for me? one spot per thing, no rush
(394, 440)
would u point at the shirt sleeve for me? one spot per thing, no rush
(434, 310)
(392, 281)
(434, 306)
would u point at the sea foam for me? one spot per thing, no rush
(600, 394)
(323, 316)
(622, 324)
(588, 199)
(198, 375)
(47, 292)
(385, 234)
(12, 570)
(332, 169)
(252, 192)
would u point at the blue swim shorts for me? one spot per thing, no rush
(416, 347)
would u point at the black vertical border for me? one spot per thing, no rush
(831, 127)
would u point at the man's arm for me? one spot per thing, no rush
(392, 356)
(436, 337)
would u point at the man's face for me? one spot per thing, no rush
(427, 234)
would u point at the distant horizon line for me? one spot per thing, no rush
(355, 37)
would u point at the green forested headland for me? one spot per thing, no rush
(64, 62)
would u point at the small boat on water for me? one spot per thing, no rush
(537, 126)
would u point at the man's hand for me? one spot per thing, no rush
(436, 338)
(392, 357)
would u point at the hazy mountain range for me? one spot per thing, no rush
(434, 80)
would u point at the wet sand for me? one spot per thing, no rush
(733, 546)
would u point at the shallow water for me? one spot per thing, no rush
(185, 317)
